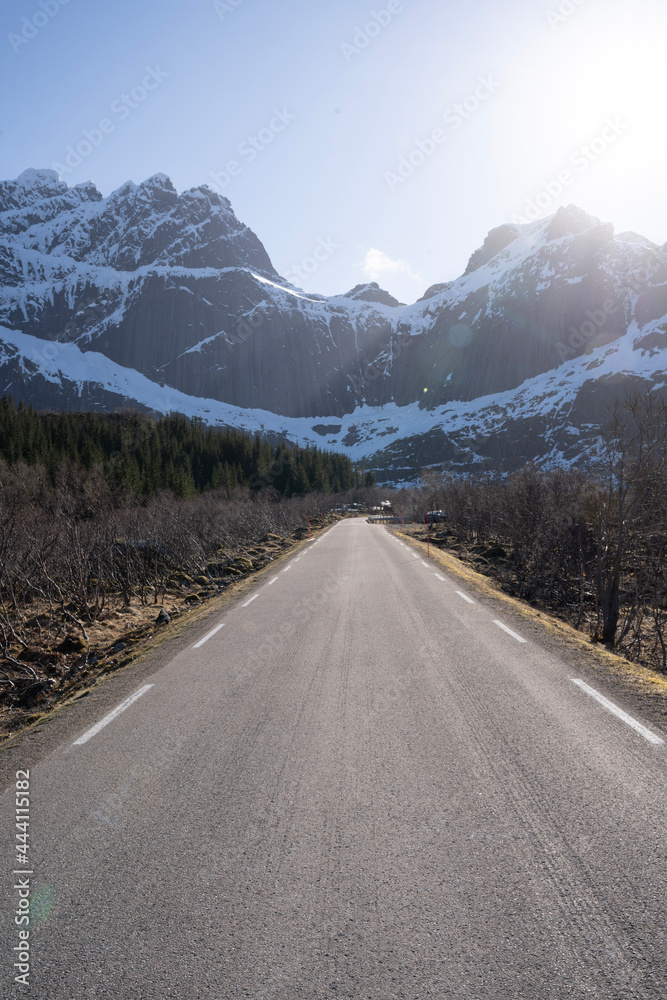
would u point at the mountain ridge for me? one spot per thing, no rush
(177, 289)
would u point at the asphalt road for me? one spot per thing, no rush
(360, 786)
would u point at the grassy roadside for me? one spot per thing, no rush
(637, 682)
(137, 631)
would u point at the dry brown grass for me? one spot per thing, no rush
(71, 670)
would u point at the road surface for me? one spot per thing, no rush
(358, 781)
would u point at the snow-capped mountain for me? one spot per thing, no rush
(166, 302)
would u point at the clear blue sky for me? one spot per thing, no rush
(359, 86)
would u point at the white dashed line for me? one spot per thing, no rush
(465, 597)
(425, 564)
(287, 567)
(209, 635)
(509, 631)
(273, 581)
(620, 714)
(443, 578)
(253, 598)
(111, 716)
(415, 556)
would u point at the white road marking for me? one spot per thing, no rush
(209, 635)
(425, 564)
(287, 567)
(415, 556)
(111, 716)
(297, 558)
(509, 631)
(273, 581)
(620, 714)
(465, 597)
(443, 578)
(253, 598)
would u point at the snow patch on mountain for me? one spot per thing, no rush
(116, 296)
(369, 428)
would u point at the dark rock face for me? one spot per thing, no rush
(496, 241)
(178, 289)
(38, 196)
(568, 222)
(175, 288)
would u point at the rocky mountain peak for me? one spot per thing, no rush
(497, 240)
(159, 181)
(570, 221)
(371, 292)
(30, 188)
(38, 196)
(38, 178)
(137, 225)
(165, 300)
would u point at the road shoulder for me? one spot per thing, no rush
(644, 691)
(60, 725)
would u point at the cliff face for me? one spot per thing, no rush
(175, 289)
(178, 289)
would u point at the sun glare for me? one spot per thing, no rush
(594, 113)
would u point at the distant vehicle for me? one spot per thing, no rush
(434, 517)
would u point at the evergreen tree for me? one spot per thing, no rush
(142, 456)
